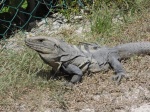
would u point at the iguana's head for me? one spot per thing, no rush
(42, 44)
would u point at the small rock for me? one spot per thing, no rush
(56, 25)
(55, 15)
(118, 19)
(41, 22)
(65, 20)
(80, 30)
(78, 18)
(54, 110)
(96, 97)
(59, 16)
(142, 108)
(87, 110)
(59, 21)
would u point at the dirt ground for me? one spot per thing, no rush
(97, 93)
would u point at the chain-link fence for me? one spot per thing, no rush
(21, 14)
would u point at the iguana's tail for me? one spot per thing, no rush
(130, 49)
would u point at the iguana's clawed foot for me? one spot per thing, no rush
(68, 85)
(117, 78)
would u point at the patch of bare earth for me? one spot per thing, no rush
(97, 93)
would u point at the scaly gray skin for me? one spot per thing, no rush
(112, 56)
(76, 60)
(62, 56)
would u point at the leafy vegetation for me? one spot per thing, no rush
(14, 4)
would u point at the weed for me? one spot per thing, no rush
(19, 71)
(101, 21)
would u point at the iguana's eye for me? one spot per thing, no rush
(40, 40)
(95, 48)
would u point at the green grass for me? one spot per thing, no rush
(20, 71)
(14, 69)
(101, 21)
(104, 11)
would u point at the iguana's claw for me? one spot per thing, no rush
(68, 85)
(118, 77)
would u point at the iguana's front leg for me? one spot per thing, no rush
(118, 68)
(73, 70)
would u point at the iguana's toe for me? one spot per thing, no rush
(68, 85)
(118, 77)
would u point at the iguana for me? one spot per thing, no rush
(76, 60)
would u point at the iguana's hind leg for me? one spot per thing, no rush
(118, 68)
(75, 71)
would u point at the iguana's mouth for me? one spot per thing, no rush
(37, 46)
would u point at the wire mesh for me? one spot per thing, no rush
(20, 14)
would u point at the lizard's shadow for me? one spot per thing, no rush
(49, 75)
